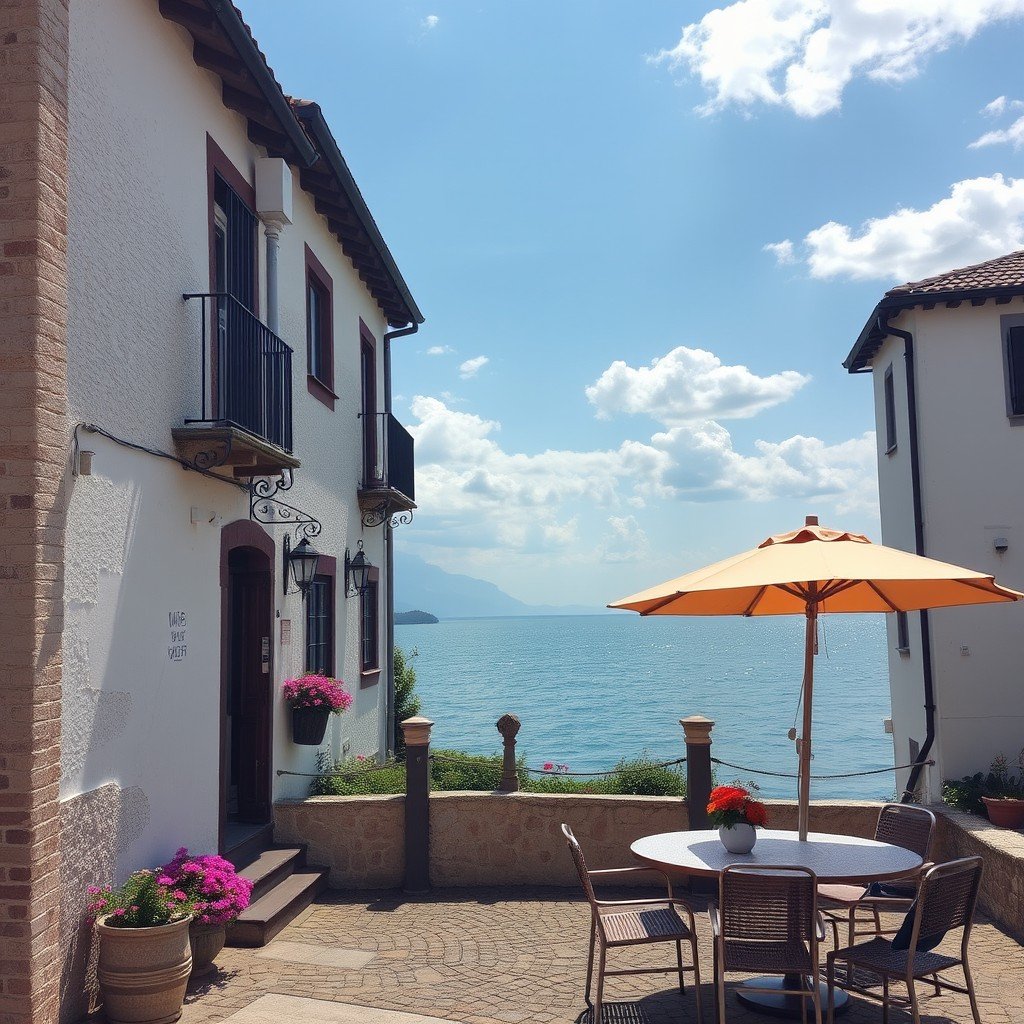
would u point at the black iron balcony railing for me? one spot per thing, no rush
(246, 371)
(388, 460)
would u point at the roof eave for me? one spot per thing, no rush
(231, 22)
(869, 340)
(312, 116)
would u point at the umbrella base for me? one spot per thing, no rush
(775, 1004)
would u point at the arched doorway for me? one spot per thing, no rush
(247, 610)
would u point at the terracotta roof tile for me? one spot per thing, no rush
(1002, 272)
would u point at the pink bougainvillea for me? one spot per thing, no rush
(312, 691)
(218, 893)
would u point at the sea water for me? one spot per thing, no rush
(590, 690)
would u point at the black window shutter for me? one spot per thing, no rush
(1015, 368)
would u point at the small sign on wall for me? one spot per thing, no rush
(286, 632)
(177, 649)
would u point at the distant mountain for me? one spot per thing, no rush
(418, 584)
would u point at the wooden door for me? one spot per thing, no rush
(249, 693)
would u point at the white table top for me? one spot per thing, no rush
(843, 859)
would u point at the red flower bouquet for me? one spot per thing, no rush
(731, 805)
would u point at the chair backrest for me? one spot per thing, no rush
(581, 864)
(947, 898)
(767, 905)
(907, 826)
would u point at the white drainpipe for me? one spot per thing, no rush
(274, 205)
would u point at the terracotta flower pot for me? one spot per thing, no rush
(207, 940)
(143, 972)
(309, 725)
(738, 838)
(1005, 813)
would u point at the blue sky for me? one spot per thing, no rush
(569, 207)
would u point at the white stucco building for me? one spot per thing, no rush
(190, 173)
(947, 355)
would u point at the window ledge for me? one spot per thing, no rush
(369, 676)
(891, 450)
(903, 652)
(320, 391)
(1016, 418)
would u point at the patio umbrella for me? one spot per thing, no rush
(812, 571)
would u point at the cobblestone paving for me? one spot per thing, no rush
(504, 956)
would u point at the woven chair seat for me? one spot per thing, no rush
(878, 954)
(790, 957)
(627, 926)
(841, 895)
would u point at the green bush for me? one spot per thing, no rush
(453, 770)
(965, 794)
(407, 703)
(353, 777)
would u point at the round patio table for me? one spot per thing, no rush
(834, 859)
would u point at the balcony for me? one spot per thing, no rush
(388, 487)
(246, 387)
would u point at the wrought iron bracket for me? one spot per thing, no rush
(381, 514)
(265, 507)
(216, 455)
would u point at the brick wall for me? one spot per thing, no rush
(33, 452)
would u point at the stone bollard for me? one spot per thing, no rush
(417, 804)
(508, 726)
(697, 730)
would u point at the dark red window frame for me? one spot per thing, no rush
(320, 385)
(326, 577)
(368, 399)
(369, 629)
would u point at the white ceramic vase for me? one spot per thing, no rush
(740, 838)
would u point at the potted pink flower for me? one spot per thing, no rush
(144, 955)
(313, 699)
(218, 895)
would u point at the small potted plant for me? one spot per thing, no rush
(218, 893)
(737, 815)
(144, 954)
(1003, 794)
(313, 699)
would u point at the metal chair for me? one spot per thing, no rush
(899, 825)
(946, 902)
(619, 923)
(767, 922)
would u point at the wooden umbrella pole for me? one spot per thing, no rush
(804, 783)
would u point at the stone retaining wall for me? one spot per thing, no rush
(505, 839)
(1002, 885)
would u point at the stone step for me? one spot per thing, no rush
(264, 918)
(271, 866)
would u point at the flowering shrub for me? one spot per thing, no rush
(731, 805)
(316, 692)
(218, 894)
(144, 901)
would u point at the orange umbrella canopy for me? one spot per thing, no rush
(836, 571)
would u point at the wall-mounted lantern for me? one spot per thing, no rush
(300, 563)
(357, 572)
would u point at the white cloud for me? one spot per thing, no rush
(803, 53)
(1000, 105)
(439, 350)
(471, 367)
(1013, 134)
(474, 494)
(782, 251)
(624, 542)
(980, 219)
(687, 384)
(430, 22)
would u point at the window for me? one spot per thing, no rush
(890, 412)
(320, 626)
(902, 632)
(1015, 369)
(369, 645)
(319, 331)
(373, 472)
